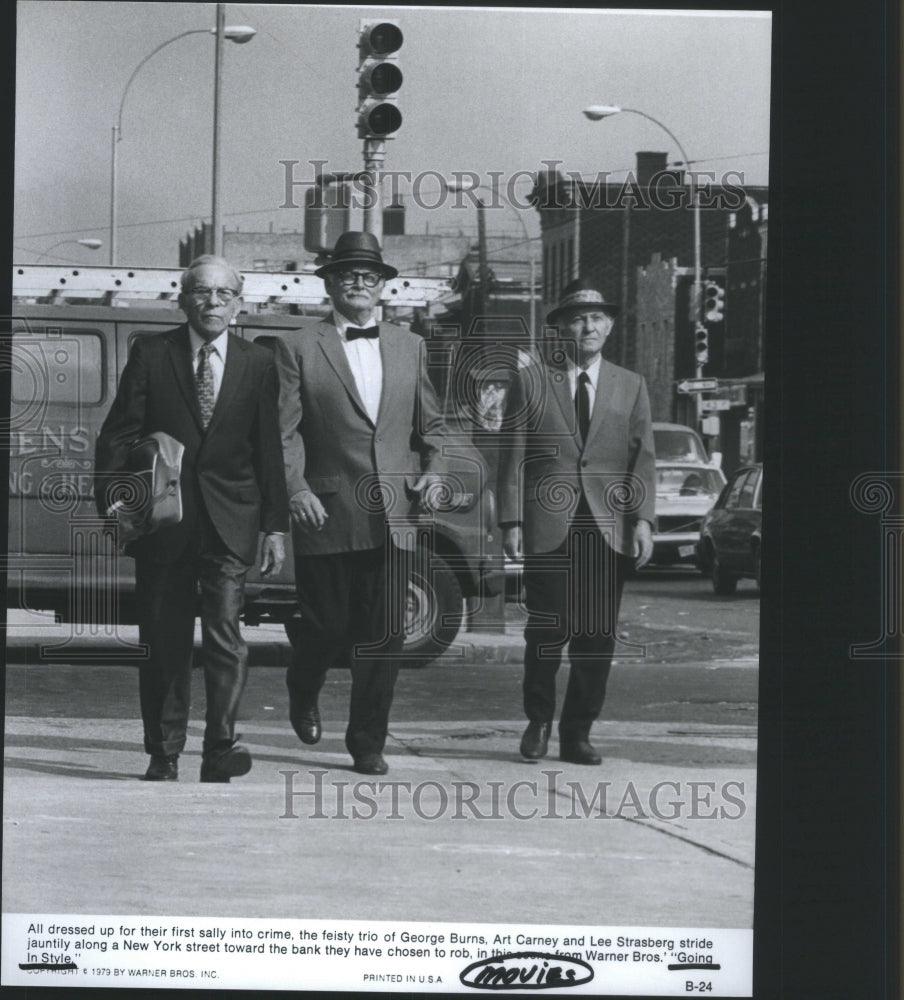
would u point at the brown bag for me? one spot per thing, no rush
(154, 465)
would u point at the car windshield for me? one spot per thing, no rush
(695, 481)
(678, 446)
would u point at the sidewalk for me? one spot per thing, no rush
(448, 835)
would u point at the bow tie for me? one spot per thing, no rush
(354, 332)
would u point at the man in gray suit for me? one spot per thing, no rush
(362, 436)
(576, 498)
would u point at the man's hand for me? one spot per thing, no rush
(273, 555)
(429, 485)
(513, 542)
(307, 511)
(643, 543)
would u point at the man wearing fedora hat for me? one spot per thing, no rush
(362, 435)
(576, 498)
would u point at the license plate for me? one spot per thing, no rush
(685, 550)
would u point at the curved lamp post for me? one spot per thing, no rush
(597, 112)
(235, 33)
(91, 244)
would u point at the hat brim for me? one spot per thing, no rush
(343, 265)
(610, 310)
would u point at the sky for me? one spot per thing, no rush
(484, 90)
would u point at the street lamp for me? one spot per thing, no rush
(90, 243)
(597, 112)
(235, 33)
(464, 185)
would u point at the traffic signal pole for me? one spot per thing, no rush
(374, 155)
(698, 284)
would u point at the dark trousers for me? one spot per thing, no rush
(352, 611)
(573, 597)
(167, 597)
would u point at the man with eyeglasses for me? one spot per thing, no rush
(362, 436)
(216, 394)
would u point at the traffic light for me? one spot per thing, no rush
(713, 302)
(701, 344)
(379, 78)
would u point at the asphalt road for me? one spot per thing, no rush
(698, 666)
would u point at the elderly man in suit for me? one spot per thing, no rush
(362, 436)
(577, 493)
(217, 395)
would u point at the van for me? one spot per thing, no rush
(65, 362)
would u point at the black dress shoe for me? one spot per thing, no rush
(535, 740)
(372, 763)
(306, 722)
(579, 752)
(163, 767)
(221, 764)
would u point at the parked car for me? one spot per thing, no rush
(65, 362)
(684, 494)
(731, 536)
(677, 443)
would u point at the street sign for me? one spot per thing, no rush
(715, 404)
(698, 385)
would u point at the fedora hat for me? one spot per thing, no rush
(580, 294)
(361, 249)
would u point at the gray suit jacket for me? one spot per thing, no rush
(546, 466)
(361, 471)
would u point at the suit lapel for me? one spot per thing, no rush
(331, 345)
(234, 369)
(180, 356)
(605, 386)
(392, 356)
(560, 387)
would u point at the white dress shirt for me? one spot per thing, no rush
(365, 361)
(217, 357)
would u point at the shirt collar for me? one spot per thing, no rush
(593, 371)
(219, 343)
(342, 323)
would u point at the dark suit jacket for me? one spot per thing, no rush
(235, 466)
(547, 465)
(332, 447)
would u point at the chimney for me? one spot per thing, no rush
(651, 164)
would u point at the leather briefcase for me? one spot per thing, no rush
(150, 494)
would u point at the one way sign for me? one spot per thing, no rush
(698, 385)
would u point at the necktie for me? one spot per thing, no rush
(582, 405)
(204, 384)
(354, 332)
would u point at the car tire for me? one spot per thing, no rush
(433, 614)
(724, 583)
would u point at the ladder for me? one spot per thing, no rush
(118, 285)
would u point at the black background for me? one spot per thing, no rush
(827, 877)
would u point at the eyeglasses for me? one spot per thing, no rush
(202, 293)
(368, 278)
